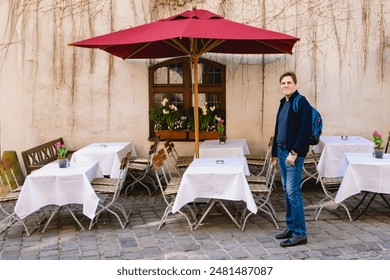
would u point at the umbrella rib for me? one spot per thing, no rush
(211, 44)
(273, 47)
(177, 45)
(208, 46)
(137, 50)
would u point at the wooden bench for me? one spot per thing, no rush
(40, 155)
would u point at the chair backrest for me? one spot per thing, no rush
(162, 172)
(157, 140)
(387, 144)
(167, 170)
(270, 175)
(173, 160)
(152, 153)
(174, 151)
(128, 155)
(327, 184)
(268, 155)
(4, 189)
(267, 158)
(167, 143)
(123, 172)
(271, 141)
(36, 157)
(314, 158)
(7, 175)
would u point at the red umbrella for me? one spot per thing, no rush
(192, 33)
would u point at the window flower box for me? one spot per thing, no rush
(204, 135)
(171, 134)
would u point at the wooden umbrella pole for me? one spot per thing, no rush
(195, 60)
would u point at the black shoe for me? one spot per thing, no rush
(293, 241)
(286, 234)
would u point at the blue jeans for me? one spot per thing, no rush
(291, 176)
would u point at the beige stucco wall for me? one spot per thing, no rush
(48, 89)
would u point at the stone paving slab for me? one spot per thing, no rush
(332, 237)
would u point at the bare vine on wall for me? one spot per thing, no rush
(308, 14)
(352, 31)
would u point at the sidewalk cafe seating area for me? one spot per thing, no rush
(220, 177)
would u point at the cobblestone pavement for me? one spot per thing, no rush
(332, 237)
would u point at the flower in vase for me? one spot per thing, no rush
(61, 150)
(377, 139)
(220, 125)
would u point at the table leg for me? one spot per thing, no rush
(229, 214)
(209, 206)
(368, 205)
(360, 202)
(384, 199)
(56, 211)
(74, 217)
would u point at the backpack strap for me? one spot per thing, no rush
(295, 103)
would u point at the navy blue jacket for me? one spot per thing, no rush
(298, 126)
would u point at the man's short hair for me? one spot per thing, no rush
(286, 74)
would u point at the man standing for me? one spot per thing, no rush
(290, 146)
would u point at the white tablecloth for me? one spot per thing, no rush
(51, 185)
(333, 149)
(363, 172)
(232, 148)
(204, 178)
(108, 154)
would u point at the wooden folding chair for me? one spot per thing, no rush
(169, 187)
(262, 193)
(139, 172)
(258, 163)
(9, 194)
(108, 191)
(330, 187)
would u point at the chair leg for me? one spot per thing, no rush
(322, 204)
(263, 209)
(192, 212)
(168, 210)
(188, 220)
(309, 176)
(138, 180)
(118, 206)
(24, 223)
(164, 217)
(126, 215)
(245, 219)
(123, 224)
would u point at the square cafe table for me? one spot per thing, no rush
(364, 173)
(217, 179)
(332, 150)
(108, 154)
(51, 185)
(232, 148)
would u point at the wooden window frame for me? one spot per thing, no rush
(186, 87)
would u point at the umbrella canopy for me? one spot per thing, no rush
(191, 33)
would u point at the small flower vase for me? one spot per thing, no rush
(63, 163)
(222, 139)
(378, 152)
